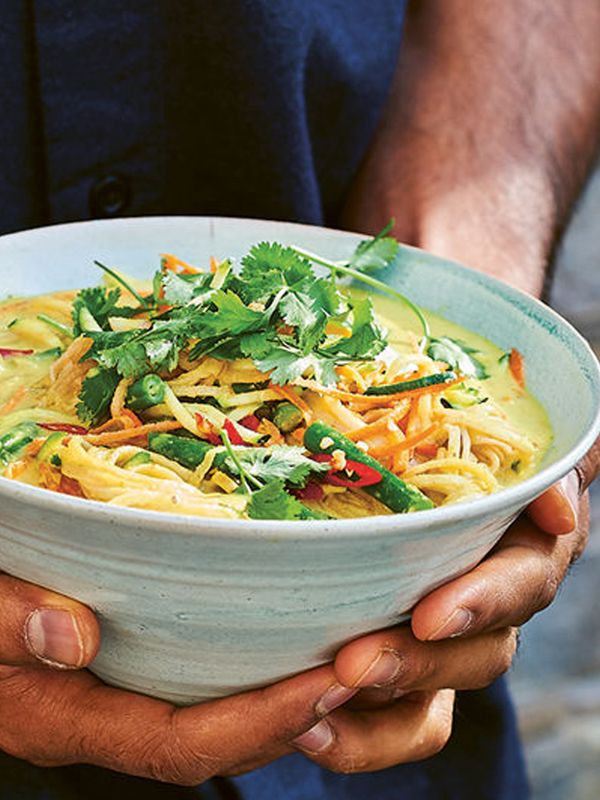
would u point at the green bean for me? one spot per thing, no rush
(391, 490)
(145, 392)
(407, 386)
(287, 416)
(190, 453)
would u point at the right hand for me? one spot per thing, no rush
(55, 713)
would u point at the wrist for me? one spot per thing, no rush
(504, 229)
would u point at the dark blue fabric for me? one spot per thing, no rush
(259, 108)
(241, 107)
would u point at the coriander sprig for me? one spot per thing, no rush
(345, 268)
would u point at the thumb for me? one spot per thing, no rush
(557, 510)
(37, 625)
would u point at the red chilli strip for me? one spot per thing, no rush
(9, 352)
(251, 422)
(76, 430)
(312, 491)
(367, 476)
(234, 436)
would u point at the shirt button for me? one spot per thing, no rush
(109, 196)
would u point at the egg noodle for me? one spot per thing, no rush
(123, 404)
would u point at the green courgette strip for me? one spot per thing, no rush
(408, 386)
(393, 492)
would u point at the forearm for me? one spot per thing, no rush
(490, 129)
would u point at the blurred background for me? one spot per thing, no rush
(556, 676)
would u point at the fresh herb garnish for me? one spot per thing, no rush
(458, 355)
(99, 302)
(96, 394)
(273, 502)
(265, 464)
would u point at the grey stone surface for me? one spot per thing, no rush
(556, 676)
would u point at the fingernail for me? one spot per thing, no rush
(382, 670)
(457, 623)
(333, 698)
(569, 487)
(317, 739)
(53, 636)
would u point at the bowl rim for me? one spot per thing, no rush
(506, 501)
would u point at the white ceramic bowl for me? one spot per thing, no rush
(193, 608)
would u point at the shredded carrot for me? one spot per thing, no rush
(379, 425)
(117, 404)
(413, 441)
(137, 422)
(33, 448)
(49, 476)
(175, 264)
(14, 401)
(118, 437)
(516, 362)
(214, 264)
(427, 450)
(290, 395)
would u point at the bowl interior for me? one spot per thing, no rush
(562, 372)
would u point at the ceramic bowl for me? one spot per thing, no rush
(194, 608)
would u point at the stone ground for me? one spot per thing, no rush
(556, 677)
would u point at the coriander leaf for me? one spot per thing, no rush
(273, 502)
(289, 363)
(279, 461)
(458, 356)
(231, 317)
(101, 304)
(298, 309)
(269, 267)
(377, 253)
(256, 345)
(368, 338)
(327, 297)
(128, 359)
(96, 394)
(178, 290)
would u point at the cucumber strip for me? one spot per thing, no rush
(391, 491)
(408, 386)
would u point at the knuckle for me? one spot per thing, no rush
(549, 585)
(170, 759)
(418, 670)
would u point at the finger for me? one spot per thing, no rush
(519, 578)
(363, 741)
(39, 626)
(556, 511)
(71, 717)
(398, 663)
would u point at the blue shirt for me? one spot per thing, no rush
(259, 108)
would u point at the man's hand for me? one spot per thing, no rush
(52, 713)
(463, 635)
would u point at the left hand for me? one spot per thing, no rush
(463, 635)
